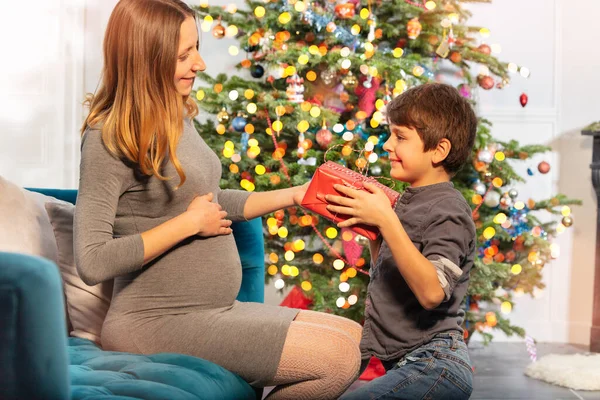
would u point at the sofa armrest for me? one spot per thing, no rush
(68, 195)
(33, 347)
(251, 247)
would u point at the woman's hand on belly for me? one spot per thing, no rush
(208, 218)
(202, 217)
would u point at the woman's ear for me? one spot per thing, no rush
(441, 151)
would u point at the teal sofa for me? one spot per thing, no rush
(39, 361)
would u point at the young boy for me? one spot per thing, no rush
(421, 262)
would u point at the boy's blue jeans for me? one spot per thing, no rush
(439, 369)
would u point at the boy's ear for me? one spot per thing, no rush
(441, 151)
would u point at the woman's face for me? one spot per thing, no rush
(188, 59)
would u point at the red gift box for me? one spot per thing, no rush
(331, 173)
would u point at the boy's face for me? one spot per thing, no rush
(409, 163)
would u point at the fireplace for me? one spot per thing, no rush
(594, 131)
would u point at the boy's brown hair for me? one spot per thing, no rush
(437, 111)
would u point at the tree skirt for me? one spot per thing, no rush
(575, 371)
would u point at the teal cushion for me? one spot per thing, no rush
(68, 195)
(33, 356)
(97, 374)
(250, 243)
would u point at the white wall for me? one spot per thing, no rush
(51, 67)
(40, 75)
(552, 38)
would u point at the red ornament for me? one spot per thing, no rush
(365, 90)
(485, 81)
(485, 49)
(324, 137)
(455, 57)
(523, 99)
(344, 10)
(544, 167)
(246, 175)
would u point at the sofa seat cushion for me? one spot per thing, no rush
(98, 374)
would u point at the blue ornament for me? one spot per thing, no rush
(529, 172)
(239, 123)
(382, 139)
(250, 49)
(257, 71)
(244, 141)
(385, 47)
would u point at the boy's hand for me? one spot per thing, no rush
(370, 206)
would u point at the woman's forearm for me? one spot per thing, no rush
(261, 203)
(166, 235)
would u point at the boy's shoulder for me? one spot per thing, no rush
(439, 197)
(448, 197)
(446, 202)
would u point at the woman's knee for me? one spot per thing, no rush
(344, 356)
(351, 328)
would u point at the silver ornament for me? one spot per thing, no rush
(492, 199)
(513, 193)
(361, 240)
(485, 156)
(480, 188)
(506, 202)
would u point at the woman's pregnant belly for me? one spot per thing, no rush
(199, 273)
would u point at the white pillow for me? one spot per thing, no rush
(86, 305)
(24, 224)
(26, 227)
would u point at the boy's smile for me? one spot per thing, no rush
(409, 161)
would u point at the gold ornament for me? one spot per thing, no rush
(567, 221)
(223, 116)
(219, 30)
(349, 81)
(328, 76)
(443, 49)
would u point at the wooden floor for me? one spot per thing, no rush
(499, 373)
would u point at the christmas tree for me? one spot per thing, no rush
(313, 87)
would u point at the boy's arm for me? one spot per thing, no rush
(418, 272)
(447, 238)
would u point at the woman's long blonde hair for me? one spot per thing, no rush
(137, 105)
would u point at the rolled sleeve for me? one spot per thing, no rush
(233, 202)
